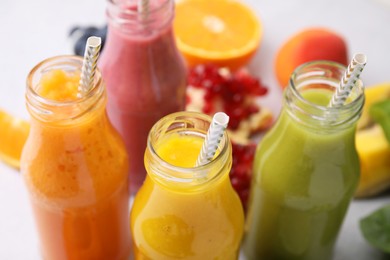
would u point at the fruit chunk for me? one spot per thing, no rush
(241, 173)
(214, 89)
(373, 94)
(13, 135)
(309, 45)
(374, 154)
(223, 32)
(371, 144)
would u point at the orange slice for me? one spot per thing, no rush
(13, 135)
(223, 32)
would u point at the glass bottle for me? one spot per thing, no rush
(144, 73)
(306, 169)
(75, 166)
(183, 211)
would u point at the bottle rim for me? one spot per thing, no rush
(327, 73)
(155, 9)
(127, 18)
(44, 108)
(194, 177)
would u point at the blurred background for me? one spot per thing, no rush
(31, 31)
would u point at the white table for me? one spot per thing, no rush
(31, 31)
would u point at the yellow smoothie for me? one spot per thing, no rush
(171, 220)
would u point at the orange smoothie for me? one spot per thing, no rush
(197, 217)
(75, 168)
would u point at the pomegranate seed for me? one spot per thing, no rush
(237, 98)
(241, 172)
(253, 109)
(234, 123)
(188, 99)
(238, 184)
(208, 108)
(232, 89)
(244, 196)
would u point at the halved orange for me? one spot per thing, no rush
(223, 32)
(13, 135)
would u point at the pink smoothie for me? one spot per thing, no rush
(145, 76)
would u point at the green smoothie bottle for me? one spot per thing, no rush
(306, 170)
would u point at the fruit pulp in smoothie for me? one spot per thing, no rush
(302, 185)
(172, 222)
(146, 79)
(77, 178)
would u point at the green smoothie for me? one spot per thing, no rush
(304, 178)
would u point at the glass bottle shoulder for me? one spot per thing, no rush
(61, 163)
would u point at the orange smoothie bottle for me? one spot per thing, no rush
(181, 211)
(75, 166)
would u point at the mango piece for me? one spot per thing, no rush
(373, 95)
(309, 45)
(374, 153)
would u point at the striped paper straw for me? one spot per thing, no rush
(213, 138)
(348, 81)
(143, 8)
(88, 69)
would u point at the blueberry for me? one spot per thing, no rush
(79, 46)
(101, 32)
(81, 34)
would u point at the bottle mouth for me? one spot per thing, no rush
(193, 178)
(325, 75)
(126, 16)
(50, 110)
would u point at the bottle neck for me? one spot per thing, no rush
(193, 179)
(70, 112)
(321, 77)
(125, 16)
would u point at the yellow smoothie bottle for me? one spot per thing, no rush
(183, 211)
(75, 166)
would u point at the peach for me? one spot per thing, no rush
(308, 45)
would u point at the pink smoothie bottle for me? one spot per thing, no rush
(144, 73)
